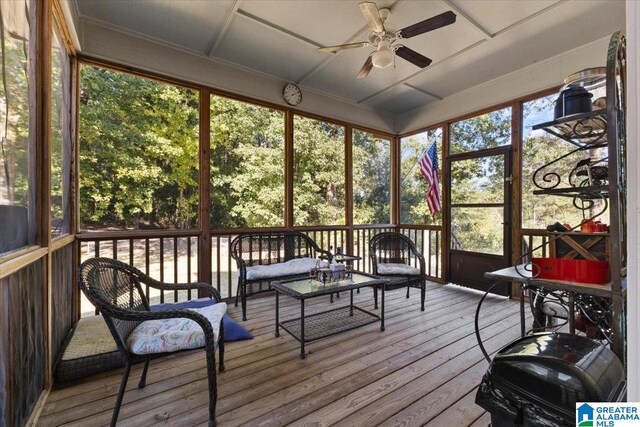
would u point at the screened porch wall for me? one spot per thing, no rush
(329, 179)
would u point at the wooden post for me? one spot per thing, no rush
(74, 225)
(348, 191)
(204, 239)
(43, 162)
(395, 182)
(288, 169)
(446, 183)
(516, 187)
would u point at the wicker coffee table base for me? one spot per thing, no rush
(327, 323)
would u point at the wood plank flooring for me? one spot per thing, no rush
(422, 370)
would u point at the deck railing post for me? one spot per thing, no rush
(204, 239)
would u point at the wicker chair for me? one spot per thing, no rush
(115, 289)
(394, 255)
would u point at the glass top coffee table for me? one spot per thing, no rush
(320, 325)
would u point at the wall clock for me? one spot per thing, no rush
(292, 94)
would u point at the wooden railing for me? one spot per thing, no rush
(224, 271)
(533, 239)
(428, 239)
(169, 256)
(172, 255)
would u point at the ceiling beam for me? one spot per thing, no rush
(530, 17)
(227, 23)
(485, 34)
(431, 94)
(272, 26)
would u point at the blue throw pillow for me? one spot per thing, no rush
(232, 330)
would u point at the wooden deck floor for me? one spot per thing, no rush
(423, 370)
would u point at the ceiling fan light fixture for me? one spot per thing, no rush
(383, 57)
(384, 37)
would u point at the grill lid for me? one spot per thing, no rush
(551, 372)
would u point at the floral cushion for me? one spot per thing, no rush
(168, 335)
(290, 268)
(397, 268)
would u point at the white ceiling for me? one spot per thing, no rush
(279, 38)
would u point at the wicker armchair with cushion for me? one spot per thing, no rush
(394, 255)
(115, 289)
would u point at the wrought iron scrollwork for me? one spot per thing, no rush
(584, 131)
(550, 179)
(590, 172)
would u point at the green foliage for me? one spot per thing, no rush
(139, 161)
(481, 132)
(371, 179)
(318, 172)
(15, 113)
(61, 145)
(247, 165)
(138, 151)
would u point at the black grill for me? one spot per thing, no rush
(537, 380)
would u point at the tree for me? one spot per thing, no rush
(318, 172)
(15, 110)
(247, 165)
(371, 179)
(138, 151)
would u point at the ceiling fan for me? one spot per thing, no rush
(384, 39)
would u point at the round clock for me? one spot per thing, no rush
(292, 94)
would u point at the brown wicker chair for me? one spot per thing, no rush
(401, 260)
(115, 289)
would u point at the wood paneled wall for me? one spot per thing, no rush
(62, 287)
(22, 352)
(36, 282)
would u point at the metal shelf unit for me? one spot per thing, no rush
(582, 130)
(588, 131)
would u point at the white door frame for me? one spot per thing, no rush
(633, 207)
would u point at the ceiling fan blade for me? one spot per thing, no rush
(371, 14)
(342, 47)
(366, 68)
(438, 21)
(413, 56)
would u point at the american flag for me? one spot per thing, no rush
(429, 168)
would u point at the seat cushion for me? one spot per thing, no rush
(391, 268)
(283, 269)
(169, 335)
(232, 330)
(89, 349)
